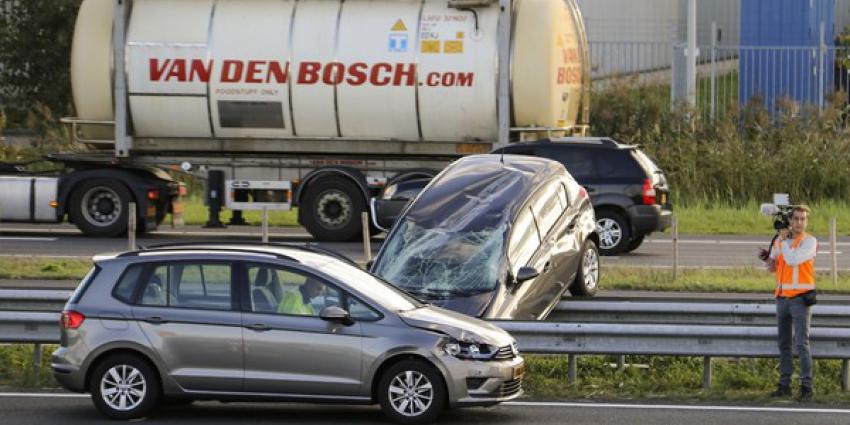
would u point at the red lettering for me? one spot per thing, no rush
(464, 79)
(281, 76)
(562, 75)
(433, 79)
(401, 72)
(376, 79)
(231, 71)
(178, 70)
(448, 79)
(200, 71)
(333, 74)
(308, 72)
(253, 74)
(358, 74)
(155, 70)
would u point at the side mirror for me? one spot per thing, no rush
(526, 273)
(336, 314)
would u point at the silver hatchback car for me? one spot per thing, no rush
(271, 323)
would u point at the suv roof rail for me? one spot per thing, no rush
(607, 141)
(184, 246)
(195, 247)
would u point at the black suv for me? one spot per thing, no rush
(629, 192)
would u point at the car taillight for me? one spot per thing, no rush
(153, 195)
(71, 319)
(648, 193)
(582, 192)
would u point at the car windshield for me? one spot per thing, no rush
(440, 263)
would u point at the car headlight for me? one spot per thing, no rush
(468, 350)
(390, 191)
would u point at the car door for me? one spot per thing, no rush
(524, 248)
(187, 311)
(288, 348)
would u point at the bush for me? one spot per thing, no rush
(744, 155)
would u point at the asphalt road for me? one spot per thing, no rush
(25, 410)
(694, 251)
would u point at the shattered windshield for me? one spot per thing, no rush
(440, 262)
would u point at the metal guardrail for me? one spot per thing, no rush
(706, 329)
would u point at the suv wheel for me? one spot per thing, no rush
(587, 279)
(634, 244)
(614, 232)
(412, 392)
(124, 387)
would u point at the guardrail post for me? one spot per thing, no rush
(706, 372)
(621, 362)
(367, 245)
(675, 248)
(833, 246)
(265, 227)
(131, 226)
(571, 369)
(36, 363)
(845, 375)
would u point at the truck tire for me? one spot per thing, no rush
(99, 207)
(331, 209)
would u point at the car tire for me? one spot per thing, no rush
(332, 208)
(412, 392)
(586, 282)
(614, 232)
(99, 207)
(634, 243)
(125, 387)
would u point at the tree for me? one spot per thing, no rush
(35, 52)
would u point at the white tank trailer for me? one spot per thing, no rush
(336, 97)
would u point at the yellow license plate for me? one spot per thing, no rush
(519, 371)
(663, 198)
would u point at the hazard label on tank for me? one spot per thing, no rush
(430, 46)
(398, 38)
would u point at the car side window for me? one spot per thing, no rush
(282, 290)
(196, 285)
(524, 241)
(125, 287)
(563, 196)
(361, 311)
(619, 164)
(547, 207)
(579, 162)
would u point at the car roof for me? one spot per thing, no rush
(593, 142)
(310, 255)
(481, 190)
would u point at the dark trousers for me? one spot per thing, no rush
(794, 318)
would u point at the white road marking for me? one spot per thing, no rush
(679, 407)
(49, 256)
(34, 239)
(766, 241)
(43, 395)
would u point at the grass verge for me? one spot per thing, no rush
(16, 368)
(745, 279)
(43, 268)
(673, 379)
(195, 213)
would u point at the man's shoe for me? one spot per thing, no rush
(781, 391)
(805, 394)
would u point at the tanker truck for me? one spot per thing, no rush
(325, 101)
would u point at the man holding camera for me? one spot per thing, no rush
(792, 258)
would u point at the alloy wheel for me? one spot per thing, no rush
(123, 387)
(411, 393)
(609, 232)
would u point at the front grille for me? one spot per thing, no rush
(510, 388)
(504, 353)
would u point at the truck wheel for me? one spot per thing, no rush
(331, 209)
(587, 279)
(99, 208)
(614, 232)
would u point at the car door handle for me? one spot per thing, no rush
(259, 327)
(547, 267)
(155, 320)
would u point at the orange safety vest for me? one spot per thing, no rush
(796, 280)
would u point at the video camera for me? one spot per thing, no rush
(781, 210)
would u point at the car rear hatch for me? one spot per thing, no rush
(656, 182)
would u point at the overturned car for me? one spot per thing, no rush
(497, 237)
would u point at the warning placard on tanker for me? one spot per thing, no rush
(444, 33)
(398, 38)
